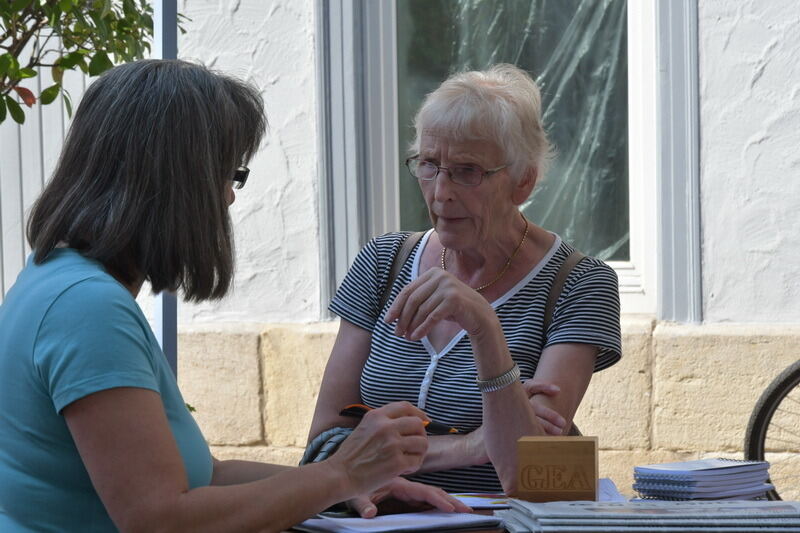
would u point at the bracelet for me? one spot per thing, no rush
(500, 382)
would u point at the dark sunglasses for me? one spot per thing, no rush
(240, 177)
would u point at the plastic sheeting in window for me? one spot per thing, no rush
(577, 52)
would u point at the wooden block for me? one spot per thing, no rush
(557, 469)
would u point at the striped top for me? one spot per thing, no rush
(443, 383)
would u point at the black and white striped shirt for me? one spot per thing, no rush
(443, 384)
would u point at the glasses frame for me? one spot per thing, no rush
(439, 168)
(240, 177)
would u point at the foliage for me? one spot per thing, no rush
(62, 35)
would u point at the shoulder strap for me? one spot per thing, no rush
(558, 284)
(399, 260)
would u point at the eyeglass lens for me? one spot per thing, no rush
(463, 174)
(240, 177)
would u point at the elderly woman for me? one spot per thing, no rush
(94, 433)
(464, 323)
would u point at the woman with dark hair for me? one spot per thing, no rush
(94, 433)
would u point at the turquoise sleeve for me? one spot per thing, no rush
(93, 338)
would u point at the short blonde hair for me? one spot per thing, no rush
(501, 104)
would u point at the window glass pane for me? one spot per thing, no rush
(577, 52)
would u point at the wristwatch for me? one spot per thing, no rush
(500, 382)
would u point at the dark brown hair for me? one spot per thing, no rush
(141, 181)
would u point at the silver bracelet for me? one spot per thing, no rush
(500, 382)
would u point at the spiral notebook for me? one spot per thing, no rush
(699, 469)
(703, 479)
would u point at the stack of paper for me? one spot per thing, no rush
(644, 516)
(705, 479)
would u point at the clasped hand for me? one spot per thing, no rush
(435, 296)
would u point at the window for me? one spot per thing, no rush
(576, 50)
(626, 178)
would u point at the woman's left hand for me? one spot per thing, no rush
(410, 493)
(435, 296)
(552, 422)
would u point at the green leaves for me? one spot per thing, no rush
(19, 5)
(25, 73)
(57, 73)
(67, 103)
(71, 60)
(99, 63)
(9, 66)
(93, 35)
(15, 110)
(49, 94)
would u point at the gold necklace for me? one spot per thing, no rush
(508, 263)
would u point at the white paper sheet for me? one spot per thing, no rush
(427, 520)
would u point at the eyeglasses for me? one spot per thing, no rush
(240, 177)
(468, 175)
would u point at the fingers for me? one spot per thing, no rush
(363, 506)
(398, 410)
(414, 445)
(429, 321)
(533, 388)
(394, 310)
(414, 304)
(549, 428)
(552, 422)
(444, 502)
(412, 492)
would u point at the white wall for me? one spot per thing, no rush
(271, 44)
(750, 159)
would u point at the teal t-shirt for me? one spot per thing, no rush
(68, 329)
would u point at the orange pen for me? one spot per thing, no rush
(358, 410)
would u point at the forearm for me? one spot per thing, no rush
(507, 413)
(454, 451)
(271, 504)
(234, 472)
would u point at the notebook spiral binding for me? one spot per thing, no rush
(666, 477)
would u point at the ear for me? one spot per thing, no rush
(524, 187)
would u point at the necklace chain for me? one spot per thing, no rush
(505, 267)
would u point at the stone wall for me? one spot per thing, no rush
(680, 391)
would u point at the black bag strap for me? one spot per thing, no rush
(400, 259)
(558, 284)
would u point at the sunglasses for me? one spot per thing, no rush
(240, 177)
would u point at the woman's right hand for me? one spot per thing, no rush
(388, 442)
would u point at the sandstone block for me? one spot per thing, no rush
(263, 454)
(707, 378)
(616, 407)
(294, 358)
(219, 375)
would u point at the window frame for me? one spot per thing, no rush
(165, 303)
(358, 66)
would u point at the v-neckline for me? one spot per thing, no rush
(435, 356)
